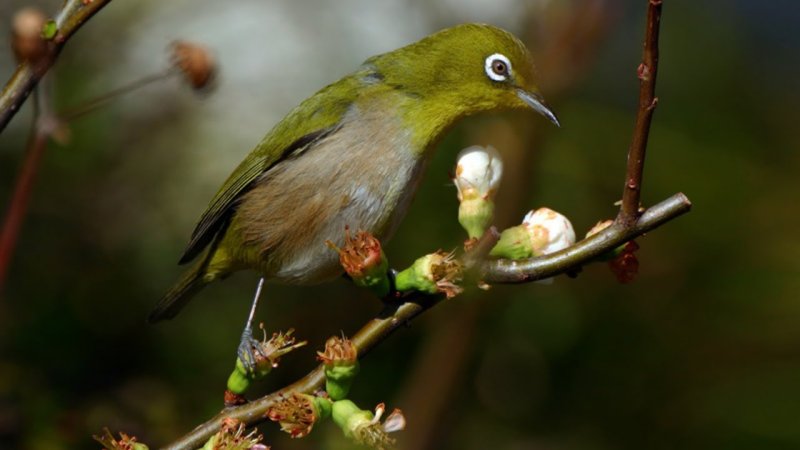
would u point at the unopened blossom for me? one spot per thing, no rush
(27, 41)
(543, 231)
(477, 178)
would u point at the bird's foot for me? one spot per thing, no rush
(249, 351)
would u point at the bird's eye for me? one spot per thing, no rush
(498, 67)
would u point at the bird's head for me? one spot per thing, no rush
(464, 70)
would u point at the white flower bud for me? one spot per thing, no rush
(549, 231)
(477, 178)
(478, 173)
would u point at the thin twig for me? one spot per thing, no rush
(71, 17)
(647, 103)
(103, 99)
(37, 142)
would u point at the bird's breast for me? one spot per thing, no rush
(363, 176)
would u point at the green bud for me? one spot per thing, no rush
(475, 215)
(49, 29)
(514, 243)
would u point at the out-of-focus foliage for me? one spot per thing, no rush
(699, 352)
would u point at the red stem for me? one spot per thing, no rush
(646, 72)
(19, 199)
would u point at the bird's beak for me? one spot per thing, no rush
(536, 102)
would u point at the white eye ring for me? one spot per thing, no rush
(489, 66)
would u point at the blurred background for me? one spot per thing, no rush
(701, 351)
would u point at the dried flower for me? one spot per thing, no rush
(622, 260)
(438, 272)
(341, 366)
(296, 413)
(26, 34)
(339, 351)
(267, 356)
(195, 63)
(124, 442)
(231, 436)
(626, 265)
(478, 174)
(364, 261)
(365, 427)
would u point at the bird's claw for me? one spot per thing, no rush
(249, 351)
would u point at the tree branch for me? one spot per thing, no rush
(629, 225)
(71, 17)
(395, 316)
(647, 103)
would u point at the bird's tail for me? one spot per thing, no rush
(190, 283)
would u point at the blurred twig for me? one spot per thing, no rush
(629, 225)
(37, 142)
(71, 17)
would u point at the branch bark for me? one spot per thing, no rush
(630, 224)
(69, 20)
(646, 72)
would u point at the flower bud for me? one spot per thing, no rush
(341, 366)
(26, 34)
(364, 261)
(231, 436)
(543, 231)
(478, 174)
(365, 427)
(267, 356)
(437, 272)
(195, 63)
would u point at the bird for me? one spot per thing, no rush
(351, 155)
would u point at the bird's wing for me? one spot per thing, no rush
(316, 117)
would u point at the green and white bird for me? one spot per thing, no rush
(351, 155)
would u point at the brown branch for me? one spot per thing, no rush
(71, 17)
(395, 316)
(647, 103)
(629, 225)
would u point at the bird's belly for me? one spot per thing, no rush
(285, 221)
